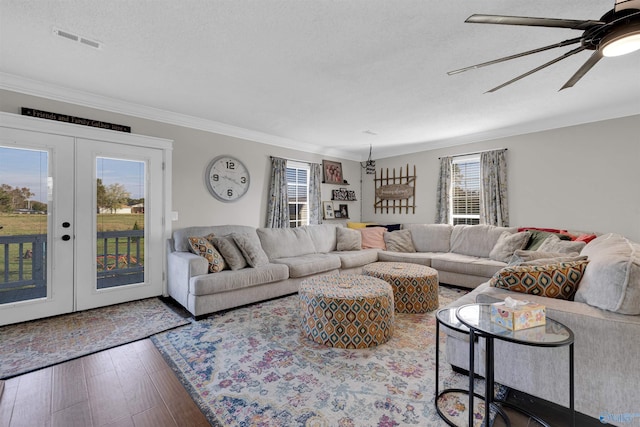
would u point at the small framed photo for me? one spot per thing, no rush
(327, 207)
(344, 211)
(332, 172)
(337, 214)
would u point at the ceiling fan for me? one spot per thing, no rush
(616, 33)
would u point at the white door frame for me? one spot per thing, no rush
(10, 121)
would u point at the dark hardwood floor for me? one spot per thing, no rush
(126, 386)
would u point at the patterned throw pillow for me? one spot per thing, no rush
(559, 280)
(201, 246)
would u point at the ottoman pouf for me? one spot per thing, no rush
(415, 287)
(346, 311)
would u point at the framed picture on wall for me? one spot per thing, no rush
(332, 172)
(344, 211)
(327, 207)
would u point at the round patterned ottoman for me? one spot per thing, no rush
(415, 287)
(346, 311)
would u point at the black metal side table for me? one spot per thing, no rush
(447, 317)
(477, 318)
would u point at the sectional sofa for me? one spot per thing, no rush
(461, 255)
(604, 314)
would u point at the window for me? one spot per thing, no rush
(465, 190)
(298, 193)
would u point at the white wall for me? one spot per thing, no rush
(584, 177)
(192, 152)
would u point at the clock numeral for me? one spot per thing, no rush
(215, 177)
(231, 165)
(243, 180)
(230, 192)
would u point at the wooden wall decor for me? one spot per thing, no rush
(395, 191)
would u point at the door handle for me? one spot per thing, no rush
(66, 237)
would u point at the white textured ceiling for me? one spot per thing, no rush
(316, 75)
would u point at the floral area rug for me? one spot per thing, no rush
(252, 367)
(28, 346)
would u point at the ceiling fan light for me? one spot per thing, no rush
(622, 45)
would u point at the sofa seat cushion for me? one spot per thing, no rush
(285, 242)
(422, 258)
(306, 265)
(352, 259)
(466, 264)
(228, 280)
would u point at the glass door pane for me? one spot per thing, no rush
(23, 224)
(120, 190)
(36, 225)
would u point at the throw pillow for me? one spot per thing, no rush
(230, 252)
(554, 244)
(373, 238)
(348, 239)
(612, 281)
(537, 237)
(252, 251)
(558, 280)
(507, 244)
(201, 246)
(359, 225)
(585, 238)
(399, 241)
(389, 227)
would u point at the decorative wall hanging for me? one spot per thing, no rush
(332, 172)
(395, 191)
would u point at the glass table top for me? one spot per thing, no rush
(478, 317)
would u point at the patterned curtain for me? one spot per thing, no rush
(443, 209)
(315, 195)
(493, 194)
(278, 203)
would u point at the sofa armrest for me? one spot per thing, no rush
(181, 267)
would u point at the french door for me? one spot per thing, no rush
(83, 225)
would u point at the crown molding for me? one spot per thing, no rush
(41, 89)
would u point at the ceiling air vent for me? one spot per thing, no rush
(76, 38)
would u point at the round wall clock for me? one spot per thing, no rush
(227, 178)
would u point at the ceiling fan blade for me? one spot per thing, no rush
(528, 73)
(627, 4)
(533, 22)
(593, 59)
(518, 55)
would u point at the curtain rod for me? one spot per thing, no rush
(476, 152)
(293, 160)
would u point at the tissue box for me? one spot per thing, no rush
(523, 316)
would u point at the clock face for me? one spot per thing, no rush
(227, 178)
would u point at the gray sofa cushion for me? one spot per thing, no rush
(348, 239)
(323, 237)
(423, 258)
(228, 280)
(351, 259)
(476, 240)
(554, 244)
(430, 237)
(180, 236)
(305, 265)
(251, 250)
(466, 264)
(399, 241)
(285, 242)
(612, 278)
(230, 252)
(507, 244)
